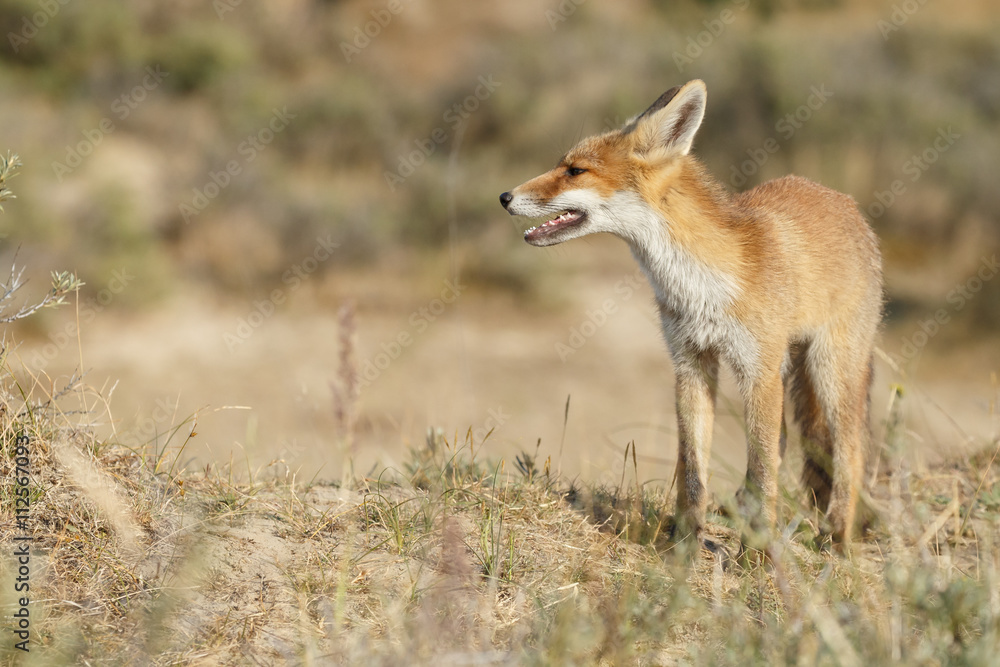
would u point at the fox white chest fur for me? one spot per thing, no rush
(694, 299)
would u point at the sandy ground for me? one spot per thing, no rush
(261, 380)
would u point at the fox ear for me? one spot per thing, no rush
(672, 120)
(661, 101)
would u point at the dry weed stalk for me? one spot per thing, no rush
(346, 389)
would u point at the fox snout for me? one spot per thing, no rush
(564, 216)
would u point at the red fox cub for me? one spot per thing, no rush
(782, 282)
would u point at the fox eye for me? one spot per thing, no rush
(574, 171)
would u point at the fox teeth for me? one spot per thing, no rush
(566, 216)
(561, 218)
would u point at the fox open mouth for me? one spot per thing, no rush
(564, 220)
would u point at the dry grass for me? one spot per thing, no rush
(458, 561)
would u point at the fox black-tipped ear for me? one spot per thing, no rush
(672, 121)
(661, 101)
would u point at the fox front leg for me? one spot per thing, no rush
(697, 381)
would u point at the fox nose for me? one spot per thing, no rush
(505, 199)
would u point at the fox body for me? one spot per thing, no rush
(782, 282)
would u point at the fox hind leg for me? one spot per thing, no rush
(830, 386)
(817, 442)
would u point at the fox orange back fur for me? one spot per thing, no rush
(782, 282)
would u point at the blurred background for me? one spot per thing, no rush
(286, 213)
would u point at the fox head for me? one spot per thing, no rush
(601, 180)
